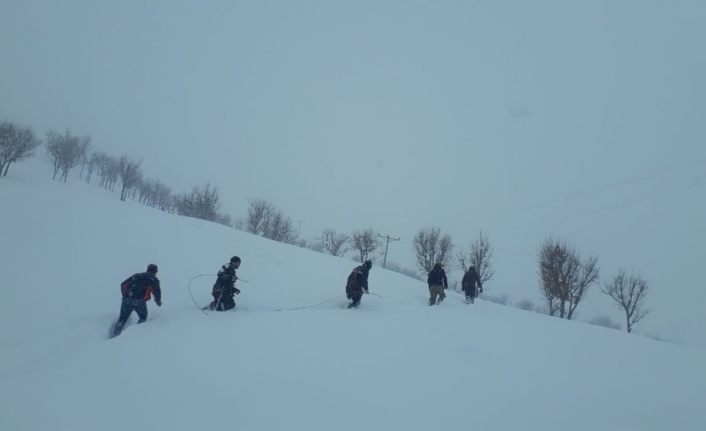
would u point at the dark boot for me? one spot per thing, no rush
(118, 328)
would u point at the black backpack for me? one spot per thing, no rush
(138, 286)
(436, 277)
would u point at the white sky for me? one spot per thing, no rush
(580, 119)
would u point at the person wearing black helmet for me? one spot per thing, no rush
(358, 283)
(224, 289)
(437, 283)
(137, 290)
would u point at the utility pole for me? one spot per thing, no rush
(388, 238)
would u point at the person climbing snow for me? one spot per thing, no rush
(468, 284)
(437, 283)
(224, 289)
(137, 290)
(358, 283)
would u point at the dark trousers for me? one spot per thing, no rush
(226, 302)
(436, 291)
(126, 308)
(355, 297)
(470, 294)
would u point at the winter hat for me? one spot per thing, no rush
(368, 264)
(152, 268)
(234, 259)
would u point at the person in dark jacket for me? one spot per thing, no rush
(224, 289)
(358, 283)
(468, 284)
(137, 290)
(437, 283)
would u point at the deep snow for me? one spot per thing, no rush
(396, 363)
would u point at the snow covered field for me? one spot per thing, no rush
(394, 364)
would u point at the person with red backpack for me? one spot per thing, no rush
(358, 283)
(136, 291)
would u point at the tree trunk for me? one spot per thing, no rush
(7, 167)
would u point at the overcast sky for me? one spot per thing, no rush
(579, 119)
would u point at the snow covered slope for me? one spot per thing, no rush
(393, 364)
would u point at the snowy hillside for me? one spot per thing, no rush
(396, 363)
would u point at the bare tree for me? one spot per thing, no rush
(54, 148)
(66, 152)
(430, 247)
(564, 277)
(334, 243)
(479, 257)
(628, 292)
(364, 242)
(130, 175)
(259, 212)
(201, 203)
(279, 227)
(16, 143)
(109, 170)
(92, 165)
(265, 219)
(154, 194)
(163, 198)
(85, 159)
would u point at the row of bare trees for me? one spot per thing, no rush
(565, 277)
(430, 246)
(67, 151)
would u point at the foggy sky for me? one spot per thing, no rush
(584, 120)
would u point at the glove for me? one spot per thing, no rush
(158, 302)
